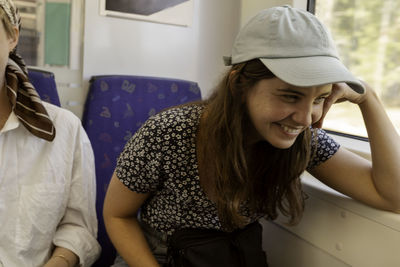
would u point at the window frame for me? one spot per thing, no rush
(69, 78)
(358, 144)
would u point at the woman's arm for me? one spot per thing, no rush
(375, 183)
(62, 257)
(77, 230)
(121, 206)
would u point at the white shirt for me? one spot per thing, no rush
(47, 192)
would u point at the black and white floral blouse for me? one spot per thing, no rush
(161, 158)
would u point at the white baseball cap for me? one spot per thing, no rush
(295, 46)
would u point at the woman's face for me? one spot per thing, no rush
(6, 45)
(279, 111)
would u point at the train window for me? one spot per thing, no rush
(367, 35)
(51, 32)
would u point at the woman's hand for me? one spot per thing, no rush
(375, 183)
(342, 92)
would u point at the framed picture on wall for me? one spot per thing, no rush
(175, 12)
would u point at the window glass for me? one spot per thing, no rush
(49, 34)
(367, 35)
(51, 39)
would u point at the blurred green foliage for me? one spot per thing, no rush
(367, 35)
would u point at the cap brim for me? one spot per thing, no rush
(312, 71)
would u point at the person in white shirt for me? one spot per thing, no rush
(47, 179)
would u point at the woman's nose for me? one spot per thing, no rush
(304, 114)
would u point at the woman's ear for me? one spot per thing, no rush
(232, 77)
(13, 41)
(231, 80)
(232, 73)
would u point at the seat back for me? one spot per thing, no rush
(116, 106)
(45, 84)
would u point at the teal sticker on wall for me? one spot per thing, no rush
(57, 33)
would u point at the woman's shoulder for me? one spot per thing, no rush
(323, 147)
(62, 118)
(174, 116)
(321, 139)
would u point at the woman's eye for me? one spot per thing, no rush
(319, 100)
(290, 98)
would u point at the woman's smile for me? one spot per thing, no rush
(280, 112)
(291, 130)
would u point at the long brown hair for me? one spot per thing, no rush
(262, 177)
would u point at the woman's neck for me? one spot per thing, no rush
(5, 106)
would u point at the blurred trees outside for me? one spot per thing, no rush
(367, 35)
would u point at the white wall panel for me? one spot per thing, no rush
(125, 46)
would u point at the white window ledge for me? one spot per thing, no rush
(335, 231)
(317, 189)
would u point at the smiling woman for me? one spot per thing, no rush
(238, 156)
(280, 111)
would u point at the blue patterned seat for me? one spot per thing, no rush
(45, 84)
(116, 106)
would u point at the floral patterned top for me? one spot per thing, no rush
(161, 158)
